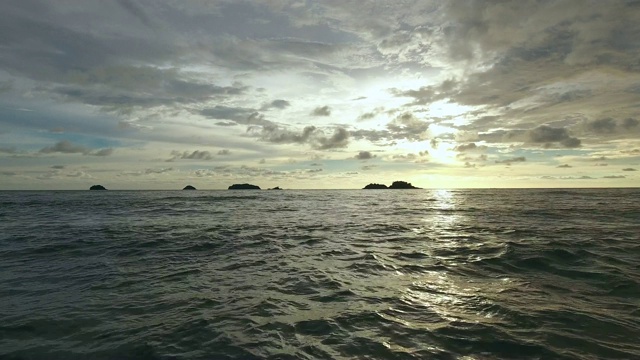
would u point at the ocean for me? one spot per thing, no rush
(320, 274)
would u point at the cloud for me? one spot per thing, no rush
(276, 104)
(66, 147)
(148, 171)
(193, 155)
(373, 136)
(407, 126)
(511, 160)
(610, 125)
(629, 169)
(371, 114)
(547, 134)
(428, 94)
(8, 150)
(224, 152)
(417, 158)
(102, 152)
(309, 135)
(469, 147)
(614, 177)
(321, 111)
(607, 125)
(339, 139)
(239, 115)
(57, 166)
(278, 135)
(364, 155)
(566, 166)
(630, 123)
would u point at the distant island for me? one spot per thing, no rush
(275, 188)
(244, 187)
(97, 187)
(189, 187)
(395, 185)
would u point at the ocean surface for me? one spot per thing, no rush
(340, 274)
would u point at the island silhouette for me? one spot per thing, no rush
(244, 187)
(189, 187)
(394, 185)
(97, 187)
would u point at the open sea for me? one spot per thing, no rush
(320, 274)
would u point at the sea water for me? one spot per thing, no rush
(320, 274)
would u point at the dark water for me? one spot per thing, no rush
(464, 274)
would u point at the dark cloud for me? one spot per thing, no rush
(224, 152)
(511, 160)
(630, 123)
(365, 155)
(277, 104)
(57, 167)
(366, 116)
(226, 123)
(240, 115)
(371, 135)
(614, 177)
(564, 166)
(627, 127)
(606, 125)
(629, 169)
(469, 147)
(631, 152)
(118, 87)
(321, 111)
(193, 155)
(339, 139)
(371, 114)
(278, 135)
(66, 147)
(309, 135)
(546, 135)
(8, 150)
(407, 126)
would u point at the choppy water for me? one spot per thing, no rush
(415, 274)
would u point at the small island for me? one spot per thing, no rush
(275, 188)
(189, 187)
(97, 187)
(376, 186)
(395, 185)
(244, 187)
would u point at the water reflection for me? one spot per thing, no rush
(451, 242)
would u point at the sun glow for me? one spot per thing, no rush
(442, 153)
(446, 109)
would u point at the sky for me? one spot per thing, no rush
(158, 94)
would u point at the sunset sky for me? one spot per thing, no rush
(158, 94)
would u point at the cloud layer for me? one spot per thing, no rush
(445, 91)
